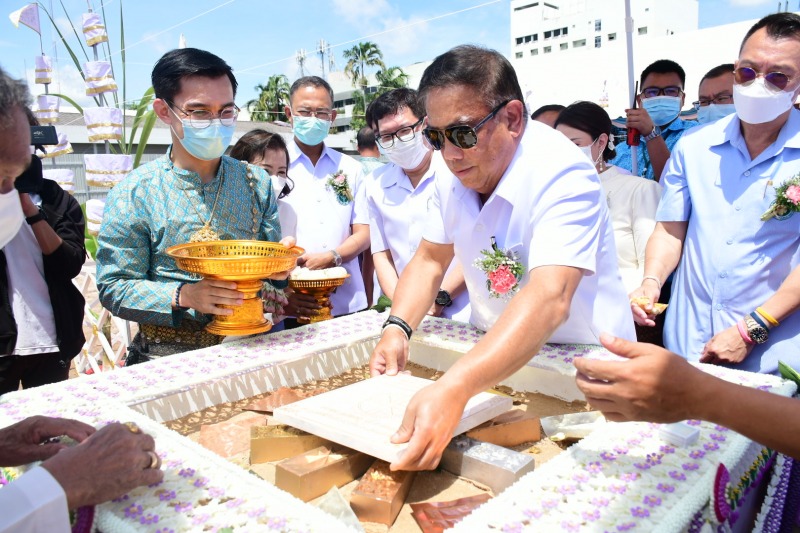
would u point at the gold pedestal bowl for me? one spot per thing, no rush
(245, 262)
(321, 290)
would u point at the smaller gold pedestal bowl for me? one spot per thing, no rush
(245, 262)
(321, 290)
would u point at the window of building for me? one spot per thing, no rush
(612, 36)
(564, 46)
(520, 8)
(519, 41)
(548, 34)
(557, 32)
(564, 31)
(518, 55)
(598, 25)
(579, 43)
(535, 37)
(534, 51)
(643, 30)
(597, 42)
(527, 38)
(547, 50)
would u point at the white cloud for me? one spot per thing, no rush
(750, 3)
(357, 12)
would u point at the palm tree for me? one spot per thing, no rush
(391, 78)
(272, 97)
(360, 104)
(360, 57)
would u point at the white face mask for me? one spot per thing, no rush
(587, 151)
(11, 216)
(407, 155)
(756, 103)
(278, 183)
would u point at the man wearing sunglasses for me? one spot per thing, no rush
(718, 222)
(399, 198)
(657, 118)
(193, 192)
(523, 211)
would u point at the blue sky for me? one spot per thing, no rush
(260, 37)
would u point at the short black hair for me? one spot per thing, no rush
(252, 145)
(310, 81)
(589, 118)
(547, 109)
(182, 63)
(13, 93)
(485, 71)
(394, 102)
(716, 72)
(663, 66)
(365, 138)
(778, 25)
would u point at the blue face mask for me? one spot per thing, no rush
(310, 130)
(662, 109)
(714, 112)
(206, 143)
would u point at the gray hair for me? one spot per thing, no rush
(13, 93)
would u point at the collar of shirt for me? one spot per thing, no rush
(731, 132)
(188, 179)
(679, 125)
(396, 176)
(295, 153)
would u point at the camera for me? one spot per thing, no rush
(41, 135)
(31, 180)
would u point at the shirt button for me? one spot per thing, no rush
(738, 208)
(325, 246)
(479, 227)
(723, 274)
(719, 307)
(746, 172)
(729, 241)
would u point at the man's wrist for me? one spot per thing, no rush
(654, 279)
(655, 132)
(337, 258)
(395, 322)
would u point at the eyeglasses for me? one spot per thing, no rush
(322, 114)
(463, 137)
(201, 118)
(719, 99)
(746, 75)
(652, 92)
(404, 134)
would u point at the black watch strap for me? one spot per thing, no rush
(33, 219)
(396, 321)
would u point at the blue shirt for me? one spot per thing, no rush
(159, 205)
(731, 260)
(670, 134)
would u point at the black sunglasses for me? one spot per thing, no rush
(463, 137)
(745, 75)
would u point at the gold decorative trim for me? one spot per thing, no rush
(107, 172)
(105, 137)
(104, 125)
(106, 184)
(57, 153)
(97, 40)
(104, 89)
(99, 78)
(87, 29)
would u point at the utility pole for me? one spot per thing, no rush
(322, 49)
(300, 57)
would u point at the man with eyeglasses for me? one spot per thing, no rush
(523, 211)
(399, 198)
(657, 118)
(715, 94)
(720, 225)
(192, 193)
(328, 198)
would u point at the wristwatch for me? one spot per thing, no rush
(443, 298)
(337, 259)
(653, 134)
(757, 332)
(33, 219)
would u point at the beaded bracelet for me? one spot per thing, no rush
(654, 278)
(177, 300)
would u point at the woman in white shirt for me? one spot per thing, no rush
(632, 201)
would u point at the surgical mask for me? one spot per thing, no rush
(406, 155)
(278, 184)
(662, 109)
(587, 151)
(11, 216)
(714, 112)
(310, 130)
(206, 143)
(756, 103)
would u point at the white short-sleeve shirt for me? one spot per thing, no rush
(322, 222)
(398, 212)
(550, 209)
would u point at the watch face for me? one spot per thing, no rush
(757, 332)
(443, 298)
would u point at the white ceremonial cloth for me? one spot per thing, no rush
(397, 213)
(322, 222)
(34, 503)
(550, 209)
(632, 202)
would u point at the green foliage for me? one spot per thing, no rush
(391, 78)
(383, 304)
(89, 240)
(359, 57)
(272, 98)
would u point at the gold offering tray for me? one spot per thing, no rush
(245, 262)
(321, 290)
